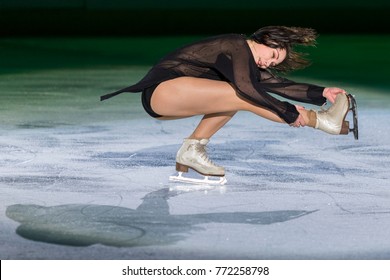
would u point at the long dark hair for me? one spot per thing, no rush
(287, 38)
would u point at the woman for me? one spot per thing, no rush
(219, 76)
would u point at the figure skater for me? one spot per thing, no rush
(218, 76)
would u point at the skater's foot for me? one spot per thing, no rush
(332, 120)
(192, 154)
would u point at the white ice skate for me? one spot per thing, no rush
(333, 120)
(193, 155)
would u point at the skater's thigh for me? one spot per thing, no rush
(188, 96)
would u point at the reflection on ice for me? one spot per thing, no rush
(150, 224)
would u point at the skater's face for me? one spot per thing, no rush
(267, 57)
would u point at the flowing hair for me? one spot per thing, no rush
(287, 38)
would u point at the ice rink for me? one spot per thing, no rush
(84, 179)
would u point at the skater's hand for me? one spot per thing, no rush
(330, 93)
(300, 121)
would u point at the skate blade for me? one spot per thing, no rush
(185, 187)
(207, 180)
(353, 108)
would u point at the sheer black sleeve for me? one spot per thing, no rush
(302, 92)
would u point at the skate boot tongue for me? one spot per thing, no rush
(204, 141)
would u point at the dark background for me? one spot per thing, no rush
(179, 17)
(40, 35)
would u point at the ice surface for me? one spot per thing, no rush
(80, 179)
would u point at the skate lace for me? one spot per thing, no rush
(201, 149)
(324, 108)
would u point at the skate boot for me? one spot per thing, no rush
(192, 154)
(332, 120)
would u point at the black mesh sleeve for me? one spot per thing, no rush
(302, 92)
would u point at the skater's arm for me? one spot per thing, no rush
(302, 92)
(236, 63)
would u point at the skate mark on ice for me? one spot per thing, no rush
(152, 157)
(40, 124)
(264, 160)
(259, 160)
(365, 149)
(379, 154)
(14, 155)
(52, 182)
(149, 224)
(338, 205)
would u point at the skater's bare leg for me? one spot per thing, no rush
(210, 124)
(187, 96)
